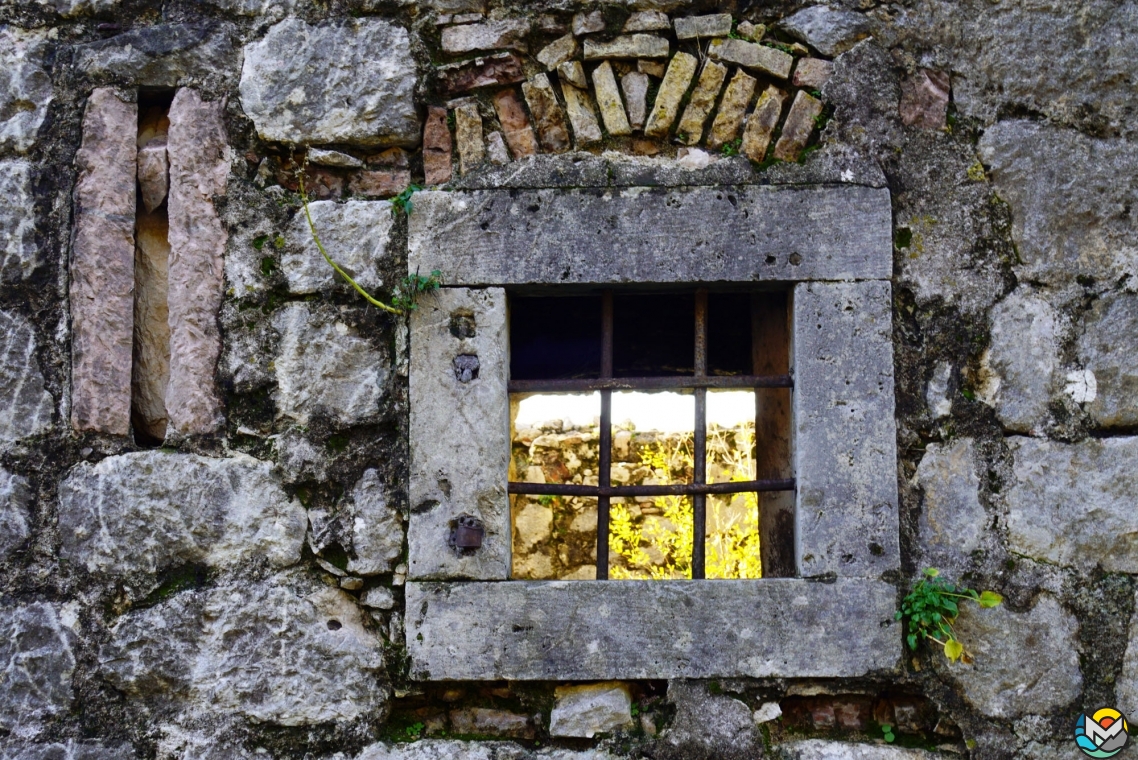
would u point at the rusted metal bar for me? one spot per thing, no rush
(577, 385)
(605, 465)
(699, 453)
(674, 489)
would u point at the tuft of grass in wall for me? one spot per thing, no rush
(930, 609)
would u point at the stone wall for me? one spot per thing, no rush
(203, 440)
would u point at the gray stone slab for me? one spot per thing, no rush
(68, 749)
(204, 53)
(845, 433)
(355, 234)
(652, 235)
(952, 522)
(597, 630)
(36, 664)
(27, 407)
(832, 32)
(460, 432)
(1108, 347)
(15, 512)
(19, 253)
(25, 88)
(822, 749)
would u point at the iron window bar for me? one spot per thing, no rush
(699, 488)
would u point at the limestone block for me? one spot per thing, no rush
(766, 60)
(153, 174)
(937, 395)
(324, 157)
(376, 527)
(489, 71)
(707, 723)
(496, 149)
(652, 235)
(762, 122)
(69, 749)
(729, 118)
(350, 81)
(702, 27)
(515, 124)
(287, 650)
(1069, 213)
(558, 52)
(674, 86)
(325, 367)
(1022, 361)
(468, 136)
(459, 435)
(635, 86)
(1073, 504)
(378, 597)
(27, 405)
(15, 513)
(812, 73)
(657, 629)
(487, 721)
(829, 31)
(588, 23)
(924, 99)
(573, 72)
(821, 749)
(845, 455)
(447, 749)
(1107, 347)
(436, 147)
(378, 184)
(703, 97)
(628, 46)
(548, 117)
(647, 21)
(36, 664)
(798, 127)
(199, 169)
(1126, 687)
(151, 373)
(102, 266)
(151, 511)
(582, 115)
(489, 35)
(206, 52)
(356, 235)
(608, 99)
(533, 524)
(952, 521)
(19, 253)
(589, 709)
(25, 90)
(1024, 662)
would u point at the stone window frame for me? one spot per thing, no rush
(832, 245)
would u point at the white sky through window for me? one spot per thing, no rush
(665, 412)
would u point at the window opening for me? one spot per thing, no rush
(692, 343)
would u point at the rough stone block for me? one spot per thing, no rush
(647, 21)
(468, 137)
(547, 114)
(334, 158)
(846, 451)
(27, 405)
(25, 90)
(36, 664)
(19, 253)
(573, 72)
(1004, 683)
(356, 235)
(673, 87)
(729, 118)
(496, 149)
(491, 71)
(379, 184)
(325, 367)
(952, 521)
(829, 31)
(288, 650)
(199, 169)
(798, 127)
(153, 173)
(703, 97)
(608, 99)
(582, 115)
(207, 53)
(102, 266)
(151, 511)
(490, 35)
(558, 52)
(515, 124)
(822, 749)
(762, 122)
(1073, 504)
(694, 27)
(635, 86)
(812, 73)
(652, 235)
(436, 147)
(366, 525)
(15, 513)
(586, 710)
(1107, 347)
(628, 46)
(588, 23)
(1126, 687)
(924, 99)
(650, 629)
(151, 374)
(766, 60)
(1069, 212)
(68, 749)
(487, 721)
(709, 724)
(460, 434)
(350, 81)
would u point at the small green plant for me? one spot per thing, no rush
(414, 731)
(887, 733)
(731, 148)
(547, 500)
(259, 241)
(407, 292)
(930, 609)
(401, 204)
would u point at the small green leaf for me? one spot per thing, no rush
(953, 649)
(259, 241)
(912, 639)
(279, 242)
(932, 572)
(990, 599)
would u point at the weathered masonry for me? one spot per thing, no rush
(245, 513)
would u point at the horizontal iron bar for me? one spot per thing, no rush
(677, 489)
(650, 383)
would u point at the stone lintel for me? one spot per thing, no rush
(704, 234)
(599, 630)
(844, 429)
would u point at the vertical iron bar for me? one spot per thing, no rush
(699, 456)
(604, 468)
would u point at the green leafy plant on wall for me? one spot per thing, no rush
(931, 608)
(405, 296)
